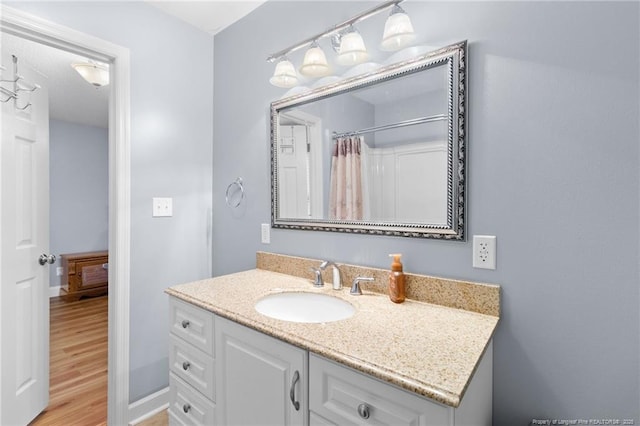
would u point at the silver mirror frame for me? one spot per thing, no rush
(453, 56)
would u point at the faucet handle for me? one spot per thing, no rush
(317, 281)
(355, 287)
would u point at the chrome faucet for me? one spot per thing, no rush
(355, 287)
(337, 279)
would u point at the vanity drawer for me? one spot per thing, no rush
(188, 406)
(191, 323)
(343, 396)
(193, 366)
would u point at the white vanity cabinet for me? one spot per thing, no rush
(224, 373)
(191, 365)
(262, 380)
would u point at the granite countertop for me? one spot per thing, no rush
(428, 349)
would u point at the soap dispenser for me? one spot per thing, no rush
(396, 280)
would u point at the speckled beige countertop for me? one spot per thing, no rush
(425, 348)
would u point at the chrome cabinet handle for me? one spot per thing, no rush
(185, 323)
(44, 259)
(186, 408)
(292, 390)
(186, 365)
(363, 411)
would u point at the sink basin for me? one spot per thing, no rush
(304, 307)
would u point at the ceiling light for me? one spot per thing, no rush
(94, 73)
(315, 62)
(352, 50)
(284, 74)
(398, 31)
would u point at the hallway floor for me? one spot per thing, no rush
(78, 363)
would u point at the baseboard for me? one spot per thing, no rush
(54, 291)
(148, 406)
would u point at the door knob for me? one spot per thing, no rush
(44, 259)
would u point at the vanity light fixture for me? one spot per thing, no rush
(93, 72)
(398, 33)
(352, 50)
(315, 62)
(285, 74)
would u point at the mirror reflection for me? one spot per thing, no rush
(375, 154)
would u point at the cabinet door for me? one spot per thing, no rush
(91, 273)
(263, 380)
(341, 396)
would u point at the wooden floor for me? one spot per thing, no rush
(78, 364)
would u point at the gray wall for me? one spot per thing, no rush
(553, 172)
(79, 190)
(171, 139)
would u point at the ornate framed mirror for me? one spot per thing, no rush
(381, 153)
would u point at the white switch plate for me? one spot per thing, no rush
(266, 233)
(484, 251)
(162, 207)
(59, 271)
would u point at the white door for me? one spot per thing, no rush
(293, 169)
(24, 235)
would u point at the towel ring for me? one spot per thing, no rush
(233, 185)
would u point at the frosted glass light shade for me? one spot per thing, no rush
(398, 31)
(284, 75)
(96, 74)
(352, 49)
(315, 63)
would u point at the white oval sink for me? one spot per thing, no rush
(304, 307)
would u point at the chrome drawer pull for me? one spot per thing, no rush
(185, 323)
(363, 410)
(186, 365)
(292, 391)
(186, 408)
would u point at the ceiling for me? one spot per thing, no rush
(73, 99)
(211, 16)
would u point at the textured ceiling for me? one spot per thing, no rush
(73, 99)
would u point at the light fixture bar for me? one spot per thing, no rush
(357, 18)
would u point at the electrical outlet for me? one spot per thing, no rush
(266, 233)
(162, 207)
(484, 251)
(59, 271)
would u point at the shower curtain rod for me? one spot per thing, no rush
(411, 122)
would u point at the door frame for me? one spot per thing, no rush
(33, 28)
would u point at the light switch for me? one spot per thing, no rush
(162, 207)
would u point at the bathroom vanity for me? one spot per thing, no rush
(410, 363)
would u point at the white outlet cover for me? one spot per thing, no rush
(265, 233)
(484, 251)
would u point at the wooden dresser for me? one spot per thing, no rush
(84, 274)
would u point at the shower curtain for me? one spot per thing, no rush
(345, 196)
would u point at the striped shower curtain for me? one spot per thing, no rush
(345, 196)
